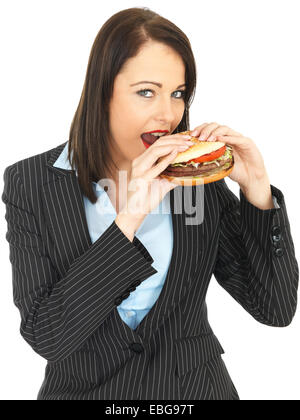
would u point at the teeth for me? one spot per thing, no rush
(158, 134)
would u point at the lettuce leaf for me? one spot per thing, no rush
(226, 155)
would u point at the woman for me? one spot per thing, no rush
(111, 291)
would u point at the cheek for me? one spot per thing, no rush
(127, 122)
(128, 142)
(126, 118)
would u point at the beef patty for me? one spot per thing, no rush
(190, 170)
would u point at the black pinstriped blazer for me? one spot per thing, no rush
(67, 289)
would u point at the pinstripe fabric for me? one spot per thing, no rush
(155, 233)
(67, 289)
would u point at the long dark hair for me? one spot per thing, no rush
(120, 38)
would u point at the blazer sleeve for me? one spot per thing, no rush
(256, 261)
(59, 314)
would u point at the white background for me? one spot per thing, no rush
(247, 55)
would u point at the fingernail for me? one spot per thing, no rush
(202, 137)
(193, 133)
(187, 137)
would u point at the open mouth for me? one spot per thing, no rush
(151, 137)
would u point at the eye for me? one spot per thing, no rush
(141, 92)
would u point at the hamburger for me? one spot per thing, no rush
(202, 163)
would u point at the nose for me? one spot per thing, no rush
(165, 111)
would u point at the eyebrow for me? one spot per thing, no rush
(155, 83)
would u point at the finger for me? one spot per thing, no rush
(233, 140)
(197, 130)
(223, 130)
(161, 165)
(173, 140)
(206, 131)
(146, 161)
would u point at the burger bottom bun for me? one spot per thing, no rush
(190, 181)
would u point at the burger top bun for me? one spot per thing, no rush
(200, 148)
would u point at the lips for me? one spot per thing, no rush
(149, 138)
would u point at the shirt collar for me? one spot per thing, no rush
(64, 163)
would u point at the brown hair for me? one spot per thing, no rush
(120, 38)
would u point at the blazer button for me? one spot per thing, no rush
(276, 238)
(278, 252)
(276, 230)
(118, 301)
(131, 289)
(137, 347)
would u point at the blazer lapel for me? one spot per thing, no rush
(65, 214)
(187, 246)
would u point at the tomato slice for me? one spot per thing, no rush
(209, 156)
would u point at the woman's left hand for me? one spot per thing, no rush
(249, 169)
(249, 166)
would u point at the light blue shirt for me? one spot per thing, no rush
(155, 233)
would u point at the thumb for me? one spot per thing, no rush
(169, 185)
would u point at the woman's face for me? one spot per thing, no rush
(157, 108)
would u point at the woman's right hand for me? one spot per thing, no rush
(146, 188)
